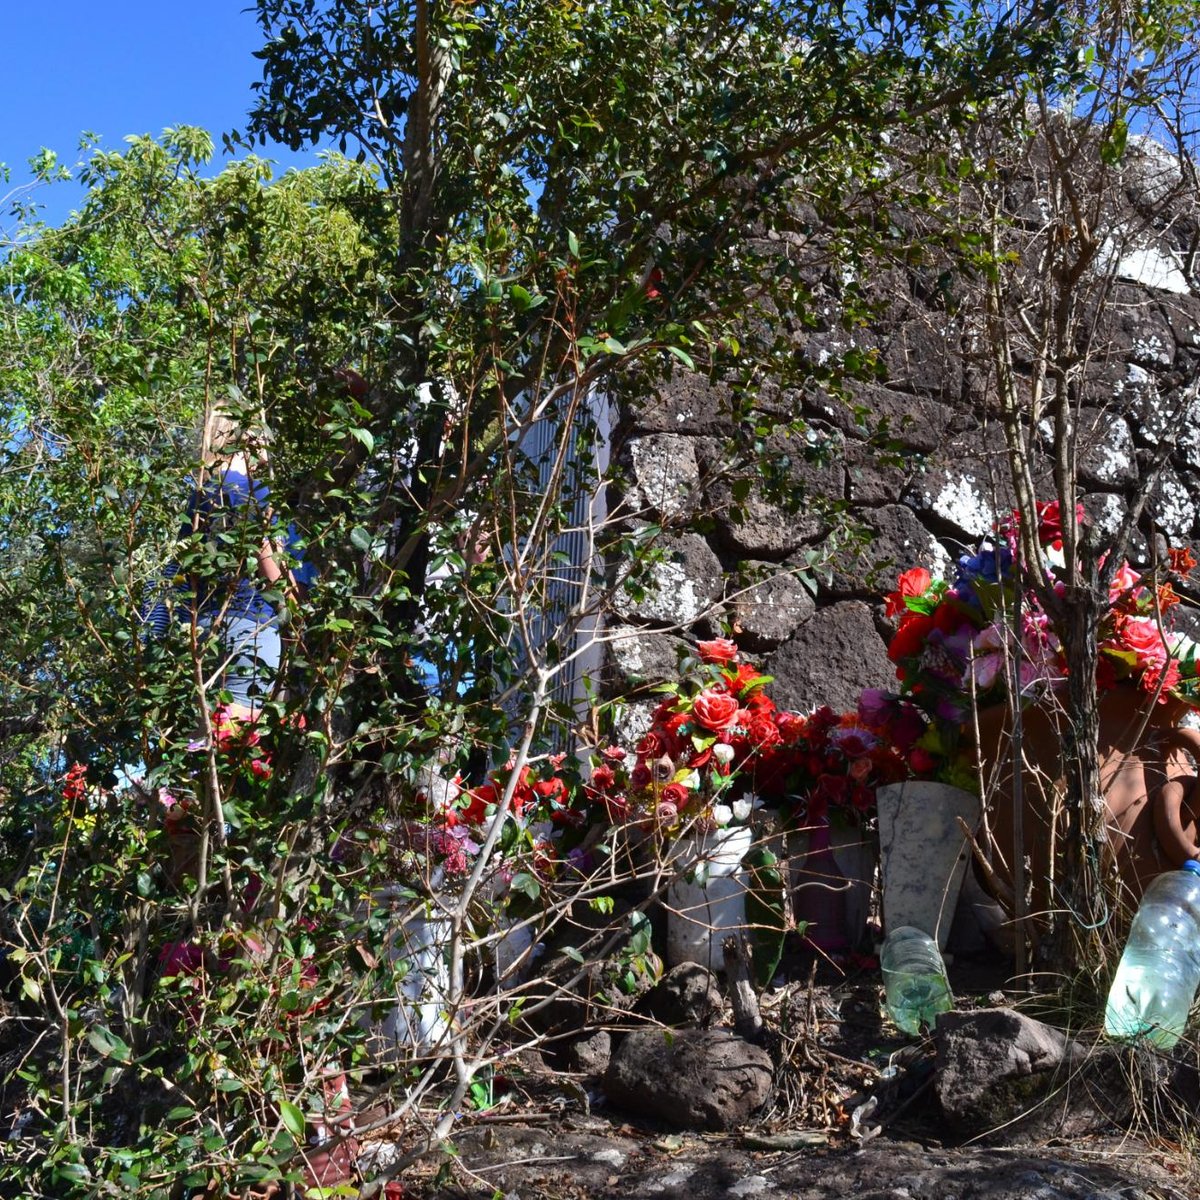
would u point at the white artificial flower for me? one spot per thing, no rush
(722, 814)
(691, 781)
(723, 753)
(742, 809)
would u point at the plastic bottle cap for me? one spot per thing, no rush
(1191, 865)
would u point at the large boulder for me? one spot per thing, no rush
(834, 655)
(998, 1069)
(689, 1078)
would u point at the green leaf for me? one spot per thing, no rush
(292, 1118)
(683, 356)
(108, 1044)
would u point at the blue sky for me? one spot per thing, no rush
(118, 67)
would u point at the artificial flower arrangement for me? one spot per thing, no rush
(694, 765)
(826, 764)
(966, 642)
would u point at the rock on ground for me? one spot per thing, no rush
(689, 1078)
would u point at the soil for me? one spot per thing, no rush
(854, 1115)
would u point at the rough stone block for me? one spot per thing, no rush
(832, 657)
(689, 1078)
(771, 605)
(679, 589)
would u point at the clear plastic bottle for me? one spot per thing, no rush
(1159, 971)
(914, 979)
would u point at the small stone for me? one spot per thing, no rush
(750, 1186)
(687, 995)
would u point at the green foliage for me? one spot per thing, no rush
(552, 201)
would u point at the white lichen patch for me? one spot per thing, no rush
(666, 476)
(1111, 458)
(612, 1157)
(1152, 349)
(1105, 512)
(1175, 512)
(962, 502)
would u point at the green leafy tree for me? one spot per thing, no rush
(550, 200)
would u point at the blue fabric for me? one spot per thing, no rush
(230, 497)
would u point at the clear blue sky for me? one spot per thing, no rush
(119, 67)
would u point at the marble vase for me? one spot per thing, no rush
(923, 852)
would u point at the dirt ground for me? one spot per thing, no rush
(854, 1115)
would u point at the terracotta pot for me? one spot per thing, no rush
(1146, 776)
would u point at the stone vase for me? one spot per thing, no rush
(923, 852)
(701, 914)
(415, 1015)
(832, 878)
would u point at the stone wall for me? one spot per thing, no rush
(809, 610)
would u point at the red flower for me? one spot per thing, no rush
(260, 768)
(479, 799)
(719, 650)
(676, 794)
(714, 710)
(909, 639)
(1182, 560)
(552, 789)
(603, 777)
(1050, 523)
(75, 782)
(914, 582)
(921, 760)
(742, 680)
(762, 732)
(651, 746)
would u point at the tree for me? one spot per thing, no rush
(1112, 160)
(554, 195)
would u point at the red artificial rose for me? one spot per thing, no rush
(921, 761)
(651, 745)
(1167, 673)
(791, 726)
(640, 776)
(672, 733)
(914, 582)
(1143, 637)
(552, 789)
(719, 650)
(603, 777)
(762, 732)
(715, 711)
(676, 794)
(701, 758)
(910, 637)
(260, 768)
